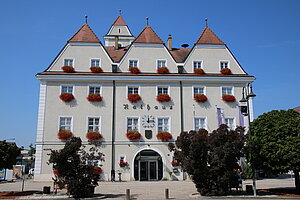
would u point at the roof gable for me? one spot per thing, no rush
(209, 37)
(148, 36)
(119, 22)
(180, 54)
(84, 34)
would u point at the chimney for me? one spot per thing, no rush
(116, 42)
(170, 42)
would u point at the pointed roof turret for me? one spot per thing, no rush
(119, 21)
(209, 37)
(84, 34)
(148, 36)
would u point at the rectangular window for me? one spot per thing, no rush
(200, 122)
(197, 64)
(65, 123)
(227, 90)
(67, 89)
(68, 62)
(198, 90)
(93, 124)
(161, 63)
(94, 89)
(163, 124)
(162, 90)
(230, 123)
(133, 90)
(133, 63)
(132, 123)
(95, 62)
(223, 64)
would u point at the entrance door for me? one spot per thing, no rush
(153, 170)
(148, 170)
(144, 171)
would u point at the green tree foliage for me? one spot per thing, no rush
(276, 139)
(210, 159)
(8, 154)
(76, 167)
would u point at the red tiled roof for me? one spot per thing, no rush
(84, 34)
(297, 109)
(119, 22)
(180, 54)
(209, 37)
(116, 54)
(148, 36)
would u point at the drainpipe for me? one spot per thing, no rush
(181, 107)
(113, 134)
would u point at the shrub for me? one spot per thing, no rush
(93, 135)
(134, 70)
(134, 98)
(225, 71)
(163, 98)
(200, 98)
(66, 97)
(164, 136)
(68, 69)
(94, 98)
(64, 134)
(228, 98)
(199, 71)
(162, 70)
(96, 69)
(133, 135)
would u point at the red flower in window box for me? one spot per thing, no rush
(228, 98)
(162, 70)
(133, 98)
(55, 172)
(225, 71)
(134, 70)
(94, 98)
(175, 163)
(200, 98)
(96, 69)
(123, 163)
(133, 135)
(97, 170)
(163, 98)
(64, 134)
(66, 97)
(68, 69)
(164, 136)
(199, 71)
(93, 135)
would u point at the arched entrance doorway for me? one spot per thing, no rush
(148, 166)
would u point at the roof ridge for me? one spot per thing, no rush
(209, 37)
(81, 38)
(148, 38)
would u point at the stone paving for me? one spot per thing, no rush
(146, 190)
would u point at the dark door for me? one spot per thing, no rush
(143, 171)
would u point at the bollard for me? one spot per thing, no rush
(127, 194)
(167, 193)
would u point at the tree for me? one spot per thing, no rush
(210, 159)
(77, 168)
(8, 154)
(276, 142)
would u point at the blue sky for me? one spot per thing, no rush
(263, 35)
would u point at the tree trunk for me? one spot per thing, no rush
(297, 181)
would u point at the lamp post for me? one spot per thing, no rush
(246, 112)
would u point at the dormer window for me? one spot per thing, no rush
(224, 64)
(133, 63)
(95, 62)
(197, 64)
(68, 62)
(161, 63)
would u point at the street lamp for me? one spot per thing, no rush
(246, 112)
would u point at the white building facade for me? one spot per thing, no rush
(147, 157)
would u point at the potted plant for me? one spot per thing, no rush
(175, 163)
(55, 172)
(163, 98)
(133, 135)
(164, 136)
(228, 98)
(68, 69)
(162, 70)
(225, 71)
(199, 71)
(123, 163)
(96, 69)
(66, 97)
(64, 134)
(94, 98)
(200, 98)
(133, 98)
(97, 170)
(93, 135)
(134, 70)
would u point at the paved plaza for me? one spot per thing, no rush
(146, 190)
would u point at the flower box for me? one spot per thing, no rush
(164, 136)
(66, 97)
(133, 135)
(64, 134)
(200, 98)
(175, 163)
(163, 98)
(225, 71)
(133, 98)
(97, 170)
(123, 163)
(68, 69)
(93, 135)
(94, 98)
(162, 70)
(55, 172)
(96, 69)
(134, 70)
(228, 98)
(199, 71)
